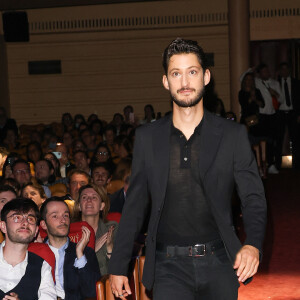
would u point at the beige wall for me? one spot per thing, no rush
(111, 56)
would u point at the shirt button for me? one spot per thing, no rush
(185, 146)
(181, 136)
(185, 159)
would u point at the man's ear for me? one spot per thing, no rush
(88, 160)
(43, 224)
(206, 77)
(165, 82)
(3, 226)
(109, 179)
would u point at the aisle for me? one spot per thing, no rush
(279, 275)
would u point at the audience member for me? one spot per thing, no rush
(7, 193)
(92, 206)
(6, 123)
(101, 174)
(55, 163)
(35, 192)
(82, 161)
(67, 122)
(34, 152)
(149, 114)
(77, 178)
(89, 139)
(78, 119)
(24, 275)
(65, 165)
(76, 270)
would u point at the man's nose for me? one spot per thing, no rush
(184, 80)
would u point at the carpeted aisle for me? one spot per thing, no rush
(279, 274)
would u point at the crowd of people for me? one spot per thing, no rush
(66, 184)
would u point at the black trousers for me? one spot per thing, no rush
(209, 277)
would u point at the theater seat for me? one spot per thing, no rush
(114, 186)
(144, 295)
(58, 189)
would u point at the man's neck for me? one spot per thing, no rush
(14, 253)
(92, 221)
(186, 119)
(57, 242)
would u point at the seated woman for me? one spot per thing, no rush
(92, 206)
(35, 192)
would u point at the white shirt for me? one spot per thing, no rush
(283, 105)
(268, 109)
(10, 277)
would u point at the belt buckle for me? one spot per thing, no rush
(197, 250)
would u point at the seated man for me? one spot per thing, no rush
(77, 269)
(82, 161)
(101, 174)
(78, 179)
(24, 275)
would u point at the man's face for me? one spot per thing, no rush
(34, 153)
(6, 197)
(87, 138)
(264, 73)
(34, 195)
(22, 233)
(42, 171)
(81, 161)
(21, 173)
(76, 182)
(110, 136)
(185, 79)
(57, 221)
(100, 176)
(284, 71)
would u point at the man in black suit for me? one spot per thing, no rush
(189, 163)
(289, 110)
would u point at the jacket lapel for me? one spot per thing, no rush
(161, 151)
(210, 138)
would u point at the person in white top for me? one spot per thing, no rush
(269, 117)
(24, 275)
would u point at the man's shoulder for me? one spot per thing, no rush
(154, 125)
(227, 125)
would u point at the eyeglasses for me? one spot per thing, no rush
(103, 153)
(17, 218)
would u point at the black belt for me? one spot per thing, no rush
(196, 250)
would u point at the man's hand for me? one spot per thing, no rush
(109, 242)
(13, 296)
(119, 286)
(246, 262)
(83, 241)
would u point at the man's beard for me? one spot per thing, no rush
(15, 238)
(191, 102)
(56, 233)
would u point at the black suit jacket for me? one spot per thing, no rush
(225, 160)
(117, 201)
(80, 283)
(295, 93)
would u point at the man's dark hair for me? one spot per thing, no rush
(20, 205)
(182, 46)
(43, 210)
(130, 107)
(7, 188)
(79, 172)
(12, 183)
(80, 151)
(20, 161)
(112, 128)
(103, 165)
(260, 67)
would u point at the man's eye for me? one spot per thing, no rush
(193, 72)
(54, 216)
(175, 74)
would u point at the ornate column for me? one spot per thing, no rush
(239, 38)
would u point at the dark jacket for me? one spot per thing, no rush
(80, 283)
(225, 160)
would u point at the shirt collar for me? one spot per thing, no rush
(197, 130)
(2, 259)
(63, 247)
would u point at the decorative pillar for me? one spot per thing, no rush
(239, 38)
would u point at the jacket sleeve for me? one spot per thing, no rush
(250, 190)
(134, 210)
(89, 274)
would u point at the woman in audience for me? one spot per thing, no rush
(55, 163)
(35, 192)
(92, 206)
(102, 154)
(123, 147)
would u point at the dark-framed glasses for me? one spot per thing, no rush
(18, 218)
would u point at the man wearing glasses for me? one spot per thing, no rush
(24, 275)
